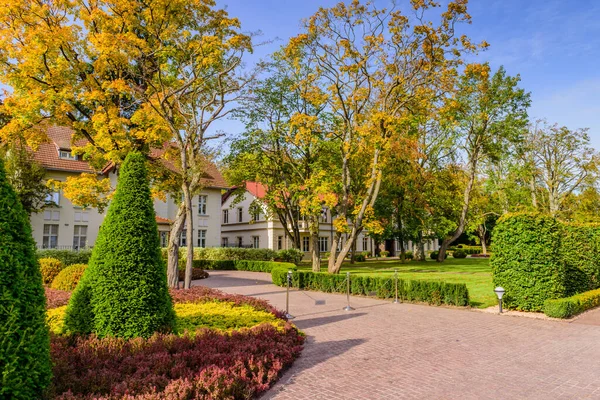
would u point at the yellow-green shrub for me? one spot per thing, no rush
(69, 277)
(50, 268)
(55, 318)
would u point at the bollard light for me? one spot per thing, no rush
(499, 293)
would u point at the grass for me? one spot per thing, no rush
(474, 272)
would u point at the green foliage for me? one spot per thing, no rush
(385, 253)
(50, 268)
(69, 277)
(383, 287)
(25, 369)
(434, 255)
(241, 265)
(459, 254)
(67, 257)
(409, 255)
(124, 291)
(359, 257)
(225, 253)
(580, 252)
(570, 306)
(467, 249)
(290, 255)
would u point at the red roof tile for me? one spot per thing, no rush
(163, 221)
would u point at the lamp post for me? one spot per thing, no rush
(499, 292)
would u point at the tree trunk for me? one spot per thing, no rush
(314, 238)
(189, 219)
(420, 249)
(402, 250)
(481, 231)
(463, 215)
(353, 252)
(173, 248)
(333, 252)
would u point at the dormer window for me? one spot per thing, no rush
(67, 155)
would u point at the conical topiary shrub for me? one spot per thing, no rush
(25, 369)
(123, 292)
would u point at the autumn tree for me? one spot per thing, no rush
(172, 74)
(376, 70)
(487, 112)
(562, 162)
(285, 148)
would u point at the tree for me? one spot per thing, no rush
(487, 113)
(377, 71)
(285, 148)
(173, 74)
(26, 176)
(563, 160)
(25, 368)
(123, 292)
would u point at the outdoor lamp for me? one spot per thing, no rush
(499, 292)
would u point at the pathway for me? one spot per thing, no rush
(395, 351)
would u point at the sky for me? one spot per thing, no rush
(553, 44)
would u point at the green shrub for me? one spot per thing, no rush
(409, 255)
(290, 255)
(459, 254)
(359, 258)
(434, 255)
(123, 292)
(69, 277)
(67, 257)
(385, 253)
(382, 287)
(469, 250)
(241, 265)
(570, 306)
(366, 254)
(25, 368)
(50, 268)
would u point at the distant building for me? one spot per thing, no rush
(65, 226)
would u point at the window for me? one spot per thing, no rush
(164, 239)
(202, 199)
(50, 215)
(225, 216)
(202, 238)
(224, 242)
(255, 216)
(279, 242)
(81, 216)
(306, 243)
(183, 238)
(323, 243)
(240, 241)
(256, 242)
(66, 155)
(52, 198)
(240, 214)
(79, 236)
(50, 237)
(324, 215)
(365, 243)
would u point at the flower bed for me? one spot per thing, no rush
(223, 362)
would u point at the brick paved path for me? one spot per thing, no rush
(395, 351)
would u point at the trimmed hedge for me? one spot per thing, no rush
(537, 258)
(225, 253)
(570, 306)
(459, 254)
(241, 265)
(470, 250)
(50, 268)
(382, 287)
(123, 292)
(25, 367)
(67, 257)
(69, 277)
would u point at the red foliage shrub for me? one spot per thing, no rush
(201, 294)
(56, 298)
(210, 365)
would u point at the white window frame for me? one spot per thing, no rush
(202, 238)
(79, 237)
(279, 242)
(202, 203)
(66, 155)
(47, 237)
(164, 238)
(305, 244)
(53, 198)
(224, 242)
(323, 243)
(226, 216)
(183, 238)
(256, 242)
(365, 243)
(240, 241)
(240, 214)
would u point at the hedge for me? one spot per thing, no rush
(67, 257)
(570, 306)
(467, 249)
(123, 292)
(382, 287)
(69, 277)
(241, 265)
(537, 258)
(50, 268)
(25, 367)
(225, 253)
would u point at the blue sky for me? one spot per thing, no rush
(553, 44)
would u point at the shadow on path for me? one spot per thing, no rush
(312, 322)
(223, 281)
(313, 355)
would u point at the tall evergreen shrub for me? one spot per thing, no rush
(123, 291)
(25, 369)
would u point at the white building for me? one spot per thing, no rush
(65, 226)
(240, 228)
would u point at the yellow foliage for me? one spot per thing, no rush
(85, 190)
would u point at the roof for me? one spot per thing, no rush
(59, 137)
(256, 189)
(163, 221)
(47, 153)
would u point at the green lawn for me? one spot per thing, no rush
(474, 272)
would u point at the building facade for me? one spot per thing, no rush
(62, 225)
